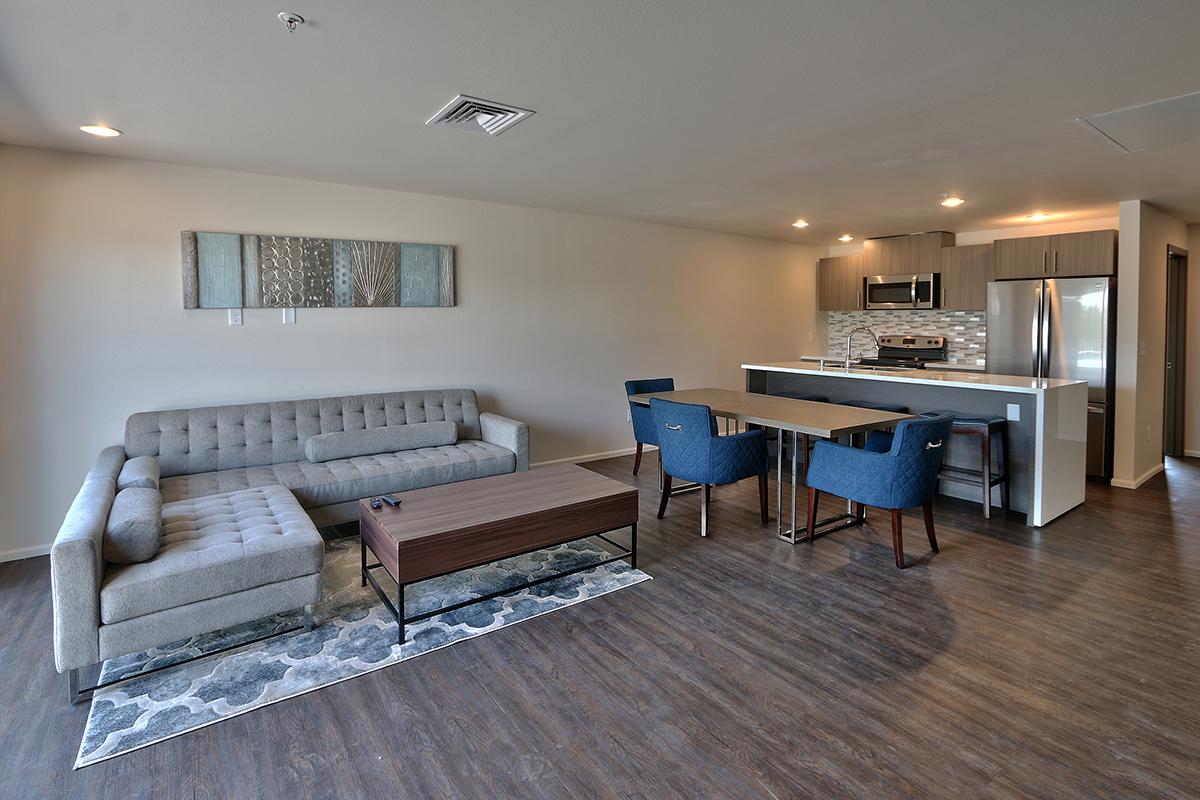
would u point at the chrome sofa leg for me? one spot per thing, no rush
(308, 617)
(74, 696)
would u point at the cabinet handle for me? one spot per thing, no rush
(1055, 262)
(943, 297)
(1043, 262)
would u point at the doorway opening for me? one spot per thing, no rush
(1176, 383)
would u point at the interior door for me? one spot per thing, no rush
(1173, 394)
(1013, 327)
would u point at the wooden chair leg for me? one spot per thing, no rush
(986, 456)
(1004, 468)
(762, 498)
(898, 537)
(814, 497)
(928, 509)
(805, 446)
(637, 458)
(860, 512)
(666, 495)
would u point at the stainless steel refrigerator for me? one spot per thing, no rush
(1060, 328)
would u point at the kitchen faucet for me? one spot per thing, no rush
(850, 342)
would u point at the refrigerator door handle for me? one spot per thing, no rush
(1037, 336)
(1047, 331)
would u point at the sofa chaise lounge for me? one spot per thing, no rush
(242, 490)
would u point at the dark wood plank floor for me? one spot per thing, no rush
(1061, 663)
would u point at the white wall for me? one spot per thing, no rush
(1141, 339)
(555, 312)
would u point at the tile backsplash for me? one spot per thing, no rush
(965, 331)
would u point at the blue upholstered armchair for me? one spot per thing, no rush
(643, 421)
(895, 471)
(691, 450)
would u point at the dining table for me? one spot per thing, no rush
(803, 419)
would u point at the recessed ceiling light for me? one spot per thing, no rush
(845, 237)
(952, 201)
(103, 131)
(800, 223)
(1038, 216)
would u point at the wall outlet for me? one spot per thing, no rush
(1147, 433)
(235, 316)
(812, 336)
(1013, 414)
(1142, 347)
(289, 316)
(629, 415)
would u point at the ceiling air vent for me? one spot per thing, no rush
(482, 116)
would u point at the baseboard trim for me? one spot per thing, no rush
(1145, 476)
(1192, 453)
(18, 553)
(625, 451)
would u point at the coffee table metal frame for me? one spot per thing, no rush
(397, 609)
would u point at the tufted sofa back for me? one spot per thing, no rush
(193, 440)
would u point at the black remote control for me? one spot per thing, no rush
(391, 500)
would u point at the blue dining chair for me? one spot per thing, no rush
(894, 471)
(691, 450)
(643, 422)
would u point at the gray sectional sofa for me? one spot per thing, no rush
(242, 490)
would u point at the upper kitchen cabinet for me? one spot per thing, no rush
(911, 254)
(965, 274)
(1080, 254)
(840, 283)
(1059, 256)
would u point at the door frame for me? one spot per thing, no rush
(1174, 433)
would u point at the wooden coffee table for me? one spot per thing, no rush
(444, 529)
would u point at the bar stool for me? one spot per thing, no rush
(895, 408)
(987, 429)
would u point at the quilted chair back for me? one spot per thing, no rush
(685, 433)
(918, 447)
(194, 440)
(643, 420)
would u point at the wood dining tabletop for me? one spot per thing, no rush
(826, 420)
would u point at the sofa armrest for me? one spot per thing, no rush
(507, 433)
(76, 570)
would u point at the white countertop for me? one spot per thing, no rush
(962, 379)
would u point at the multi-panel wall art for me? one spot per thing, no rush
(242, 270)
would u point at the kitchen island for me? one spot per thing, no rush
(1047, 422)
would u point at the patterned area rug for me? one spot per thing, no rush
(354, 635)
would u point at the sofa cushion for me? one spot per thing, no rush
(134, 528)
(138, 473)
(215, 546)
(373, 441)
(348, 479)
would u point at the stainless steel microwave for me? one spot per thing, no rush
(904, 291)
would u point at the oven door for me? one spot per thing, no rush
(903, 291)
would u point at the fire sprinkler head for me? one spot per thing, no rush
(291, 20)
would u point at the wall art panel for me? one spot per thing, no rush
(231, 270)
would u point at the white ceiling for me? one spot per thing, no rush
(730, 116)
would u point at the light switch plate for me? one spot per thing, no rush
(1013, 414)
(235, 316)
(289, 316)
